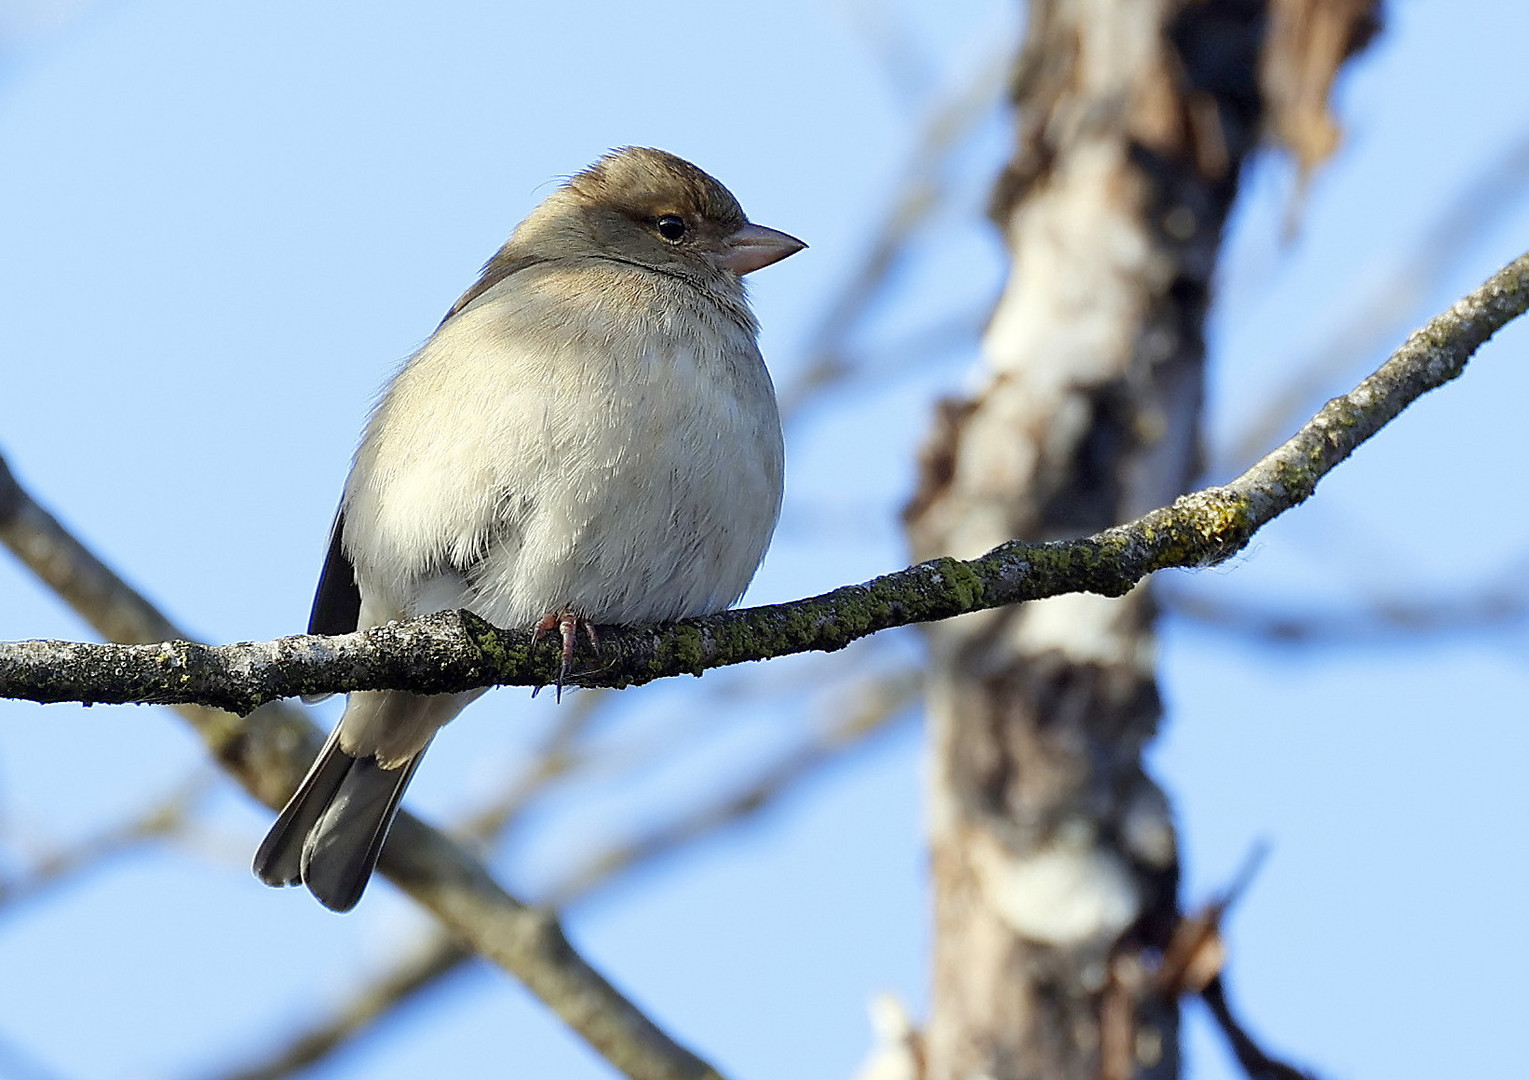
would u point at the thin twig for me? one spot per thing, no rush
(1194, 962)
(1495, 606)
(921, 191)
(426, 966)
(55, 868)
(881, 701)
(1389, 298)
(1257, 1064)
(555, 759)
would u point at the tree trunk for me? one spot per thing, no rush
(1053, 853)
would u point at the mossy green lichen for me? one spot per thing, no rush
(964, 585)
(685, 651)
(1206, 527)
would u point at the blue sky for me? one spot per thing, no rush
(223, 227)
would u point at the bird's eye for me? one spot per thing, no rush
(671, 227)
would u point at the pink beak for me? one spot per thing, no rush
(753, 247)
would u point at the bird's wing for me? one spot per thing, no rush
(337, 602)
(501, 266)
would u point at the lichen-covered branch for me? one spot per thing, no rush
(457, 650)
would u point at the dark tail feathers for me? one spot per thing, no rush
(331, 833)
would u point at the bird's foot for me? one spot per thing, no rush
(567, 624)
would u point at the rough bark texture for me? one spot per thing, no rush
(1054, 855)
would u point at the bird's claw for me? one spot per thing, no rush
(567, 624)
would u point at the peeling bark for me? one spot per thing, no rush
(1054, 856)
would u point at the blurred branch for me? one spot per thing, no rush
(921, 191)
(1496, 605)
(267, 752)
(1196, 953)
(880, 701)
(56, 868)
(18, 1063)
(437, 956)
(426, 966)
(557, 756)
(1257, 1064)
(1397, 287)
(1195, 961)
(454, 651)
(905, 64)
(874, 704)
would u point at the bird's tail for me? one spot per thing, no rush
(331, 833)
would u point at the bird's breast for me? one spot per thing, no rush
(613, 450)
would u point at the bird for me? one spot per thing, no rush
(589, 437)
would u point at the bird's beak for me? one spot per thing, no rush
(753, 247)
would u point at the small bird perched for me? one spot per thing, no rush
(589, 437)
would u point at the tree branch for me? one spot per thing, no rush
(456, 651)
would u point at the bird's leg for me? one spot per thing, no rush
(567, 625)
